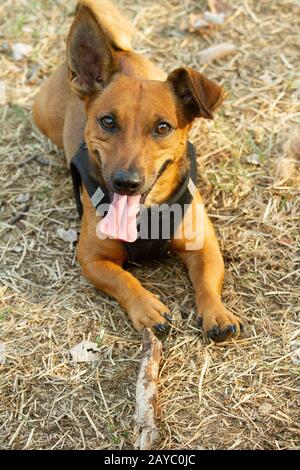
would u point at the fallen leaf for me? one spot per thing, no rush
(195, 22)
(86, 351)
(202, 23)
(69, 235)
(253, 159)
(23, 197)
(216, 52)
(214, 18)
(21, 50)
(17, 249)
(2, 353)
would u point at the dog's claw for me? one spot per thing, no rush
(161, 327)
(214, 333)
(168, 317)
(227, 332)
(199, 321)
(218, 335)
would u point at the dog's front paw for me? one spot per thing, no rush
(220, 324)
(149, 312)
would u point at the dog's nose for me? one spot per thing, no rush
(126, 182)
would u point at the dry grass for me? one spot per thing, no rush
(241, 395)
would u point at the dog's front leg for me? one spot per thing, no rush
(206, 270)
(143, 308)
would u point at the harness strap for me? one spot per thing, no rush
(80, 168)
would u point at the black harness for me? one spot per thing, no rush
(142, 248)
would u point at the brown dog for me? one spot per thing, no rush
(135, 122)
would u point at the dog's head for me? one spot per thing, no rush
(136, 129)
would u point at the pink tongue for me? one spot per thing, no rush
(120, 220)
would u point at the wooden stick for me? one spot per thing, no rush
(146, 433)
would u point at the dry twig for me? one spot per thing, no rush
(146, 434)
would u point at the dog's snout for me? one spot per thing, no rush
(126, 182)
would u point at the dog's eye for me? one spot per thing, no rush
(163, 128)
(107, 123)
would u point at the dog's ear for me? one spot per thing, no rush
(90, 57)
(198, 95)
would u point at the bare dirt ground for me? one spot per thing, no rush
(243, 394)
